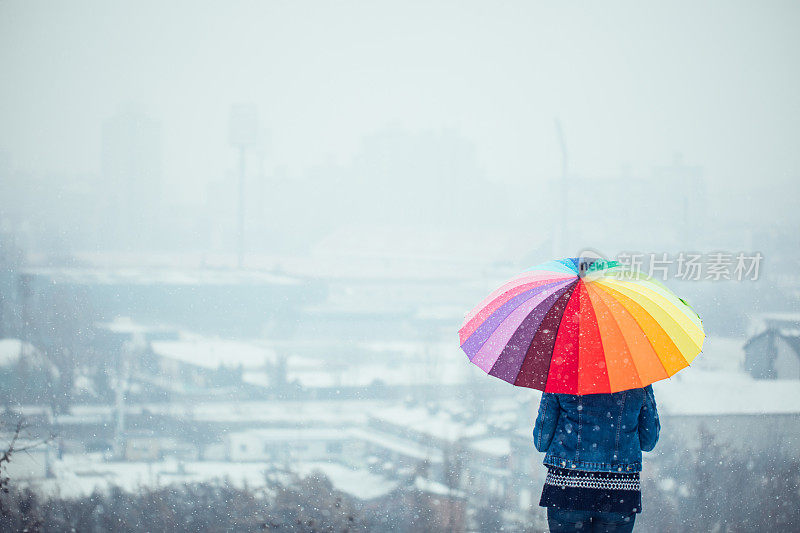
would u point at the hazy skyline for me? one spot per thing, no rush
(632, 83)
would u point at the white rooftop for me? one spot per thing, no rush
(495, 446)
(290, 434)
(720, 354)
(717, 393)
(401, 446)
(434, 487)
(215, 352)
(437, 425)
(160, 276)
(389, 363)
(360, 483)
(11, 349)
(124, 324)
(80, 475)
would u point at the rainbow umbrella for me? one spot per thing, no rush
(582, 326)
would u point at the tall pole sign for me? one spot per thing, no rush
(242, 133)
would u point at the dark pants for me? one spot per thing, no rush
(565, 520)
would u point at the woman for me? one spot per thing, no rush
(594, 446)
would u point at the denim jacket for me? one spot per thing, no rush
(597, 432)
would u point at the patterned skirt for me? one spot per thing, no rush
(592, 491)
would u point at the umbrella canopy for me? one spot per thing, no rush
(582, 326)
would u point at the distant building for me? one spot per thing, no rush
(740, 413)
(26, 374)
(32, 459)
(197, 363)
(215, 301)
(286, 445)
(489, 467)
(371, 489)
(448, 506)
(774, 352)
(148, 445)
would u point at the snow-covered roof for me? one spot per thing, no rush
(404, 447)
(29, 445)
(359, 483)
(215, 352)
(366, 374)
(81, 474)
(434, 487)
(289, 434)
(12, 349)
(389, 363)
(439, 425)
(321, 413)
(787, 317)
(701, 393)
(725, 354)
(495, 446)
(124, 324)
(346, 413)
(160, 276)
(789, 322)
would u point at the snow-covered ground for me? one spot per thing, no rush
(716, 384)
(81, 474)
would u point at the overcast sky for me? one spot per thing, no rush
(632, 82)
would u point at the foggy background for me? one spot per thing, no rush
(400, 109)
(304, 199)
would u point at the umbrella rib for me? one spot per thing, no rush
(497, 303)
(555, 327)
(675, 310)
(656, 286)
(607, 295)
(549, 291)
(510, 286)
(679, 336)
(599, 336)
(623, 300)
(613, 318)
(558, 331)
(537, 308)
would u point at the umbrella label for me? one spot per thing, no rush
(587, 266)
